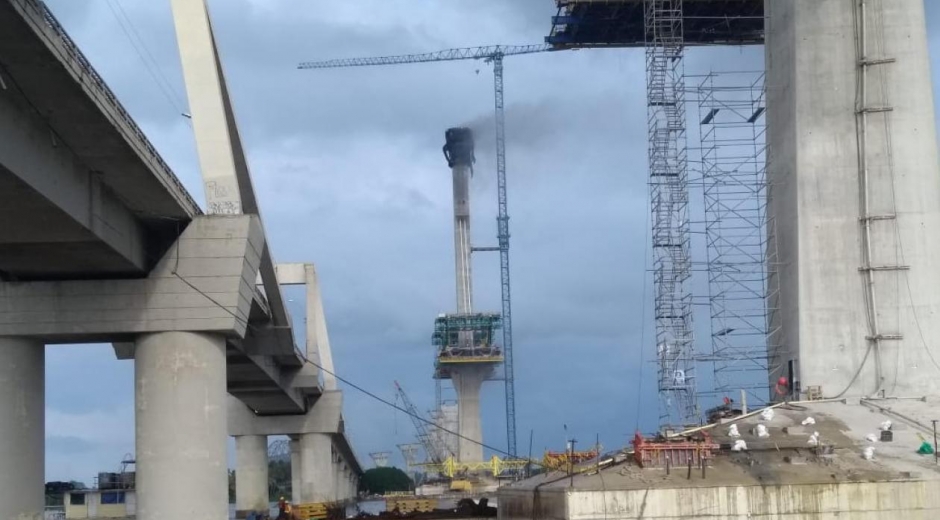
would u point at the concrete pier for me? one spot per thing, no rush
(854, 199)
(181, 426)
(22, 429)
(467, 382)
(316, 463)
(295, 471)
(251, 475)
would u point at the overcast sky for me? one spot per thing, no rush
(349, 172)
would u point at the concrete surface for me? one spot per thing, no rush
(324, 417)
(251, 475)
(814, 174)
(205, 282)
(22, 428)
(316, 463)
(75, 170)
(296, 473)
(462, 245)
(780, 476)
(182, 469)
(467, 380)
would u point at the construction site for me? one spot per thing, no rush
(815, 394)
(793, 208)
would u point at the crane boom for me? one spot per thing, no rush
(464, 53)
(434, 452)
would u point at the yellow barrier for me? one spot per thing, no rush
(411, 505)
(312, 511)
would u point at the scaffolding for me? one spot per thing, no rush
(465, 338)
(669, 199)
(732, 132)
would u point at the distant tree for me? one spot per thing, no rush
(231, 486)
(279, 483)
(382, 480)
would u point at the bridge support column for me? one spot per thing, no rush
(295, 471)
(22, 428)
(316, 463)
(467, 382)
(180, 391)
(251, 475)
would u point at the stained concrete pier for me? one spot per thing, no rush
(22, 428)
(182, 469)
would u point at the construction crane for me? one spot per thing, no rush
(490, 54)
(435, 453)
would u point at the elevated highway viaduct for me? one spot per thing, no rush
(100, 242)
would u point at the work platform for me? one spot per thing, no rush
(621, 23)
(465, 339)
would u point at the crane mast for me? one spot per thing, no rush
(492, 54)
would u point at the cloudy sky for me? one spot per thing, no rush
(348, 169)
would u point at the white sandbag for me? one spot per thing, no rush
(813, 439)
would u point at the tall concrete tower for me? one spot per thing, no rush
(466, 352)
(854, 197)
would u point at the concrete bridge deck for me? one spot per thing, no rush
(85, 197)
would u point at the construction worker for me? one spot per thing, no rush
(283, 509)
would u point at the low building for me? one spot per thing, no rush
(100, 503)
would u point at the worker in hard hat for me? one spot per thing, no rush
(283, 509)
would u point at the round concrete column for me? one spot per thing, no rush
(251, 475)
(22, 428)
(467, 382)
(316, 463)
(181, 427)
(295, 472)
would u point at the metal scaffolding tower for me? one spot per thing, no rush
(669, 198)
(733, 149)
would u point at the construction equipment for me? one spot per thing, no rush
(695, 449)
(491, 54)
(380, 458)
(436, 453)
(409, 452)
(563, 460)
(496, 466)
